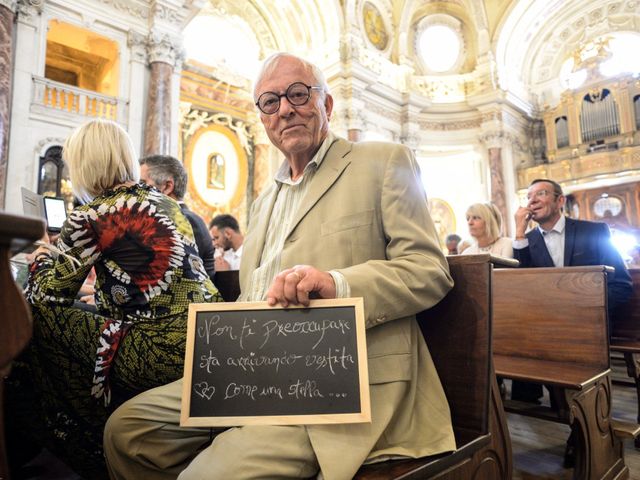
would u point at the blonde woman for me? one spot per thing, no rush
(83, 365)
(485, 224)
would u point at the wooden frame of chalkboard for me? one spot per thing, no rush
(252, 364)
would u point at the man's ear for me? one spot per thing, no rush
(167, 189)
(561, 201)
(227, 232)
(328, 105)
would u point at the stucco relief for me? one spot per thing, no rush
(166, 14)
(137, 44)
(30, 8)
(606, 19)
(128, 7)
(194, 120)
(383, 112)
(9, 4)
(449, 126)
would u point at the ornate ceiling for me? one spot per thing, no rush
(516, 45)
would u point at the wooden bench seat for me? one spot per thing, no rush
(550, 327)
(15, 327)
(625, 336)
(458, 333)
(549, 372)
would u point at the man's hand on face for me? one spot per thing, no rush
(221, 265)
(522, 216)
(294, 285)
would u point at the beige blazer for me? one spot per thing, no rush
(365, 214)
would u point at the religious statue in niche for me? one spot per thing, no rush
(443, 218)
(216, 172)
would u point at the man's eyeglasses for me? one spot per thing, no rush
(541, 194)
(297, 95)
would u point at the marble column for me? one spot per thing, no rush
(7, 17)
(164, 53)
(157, 134)
(498, 193)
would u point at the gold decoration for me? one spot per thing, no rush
(374, 26)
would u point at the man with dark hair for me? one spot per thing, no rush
(168, 175)
(451, 242)
(227, 240)
(559, 241)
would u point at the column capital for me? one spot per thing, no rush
(162, 47)
(11, 5)
(28, 8)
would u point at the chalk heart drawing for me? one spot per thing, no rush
(204, 390)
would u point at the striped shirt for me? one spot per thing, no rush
(288, 200)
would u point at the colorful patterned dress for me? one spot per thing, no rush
(82, 365)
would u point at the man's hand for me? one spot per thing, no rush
(221, 264)
(522, 216)
(293, 286)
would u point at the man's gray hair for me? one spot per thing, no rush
(165, 167)
(270, 65)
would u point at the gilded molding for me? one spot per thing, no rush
(194, 120)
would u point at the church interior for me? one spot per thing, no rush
(488, 94)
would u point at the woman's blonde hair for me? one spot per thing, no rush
(491, 216)
(99, 155)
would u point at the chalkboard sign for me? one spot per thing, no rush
(252, 364)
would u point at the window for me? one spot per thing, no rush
(440, 44)
(53, 177)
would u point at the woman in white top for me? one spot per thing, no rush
(485, 224)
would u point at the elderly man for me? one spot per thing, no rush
(341, 219)
(168, 175)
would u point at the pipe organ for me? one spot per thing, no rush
(562, 132)
(599, 116)
(593, 133)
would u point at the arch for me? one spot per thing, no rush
(534, 38)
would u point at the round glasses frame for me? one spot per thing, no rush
(297, 94)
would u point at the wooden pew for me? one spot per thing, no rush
(15, 327)
(458, 333)
(625, 335)
(550, 327)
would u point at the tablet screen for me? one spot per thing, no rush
(55, 212)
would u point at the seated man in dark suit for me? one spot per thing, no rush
(559, 241)
(168, 175)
